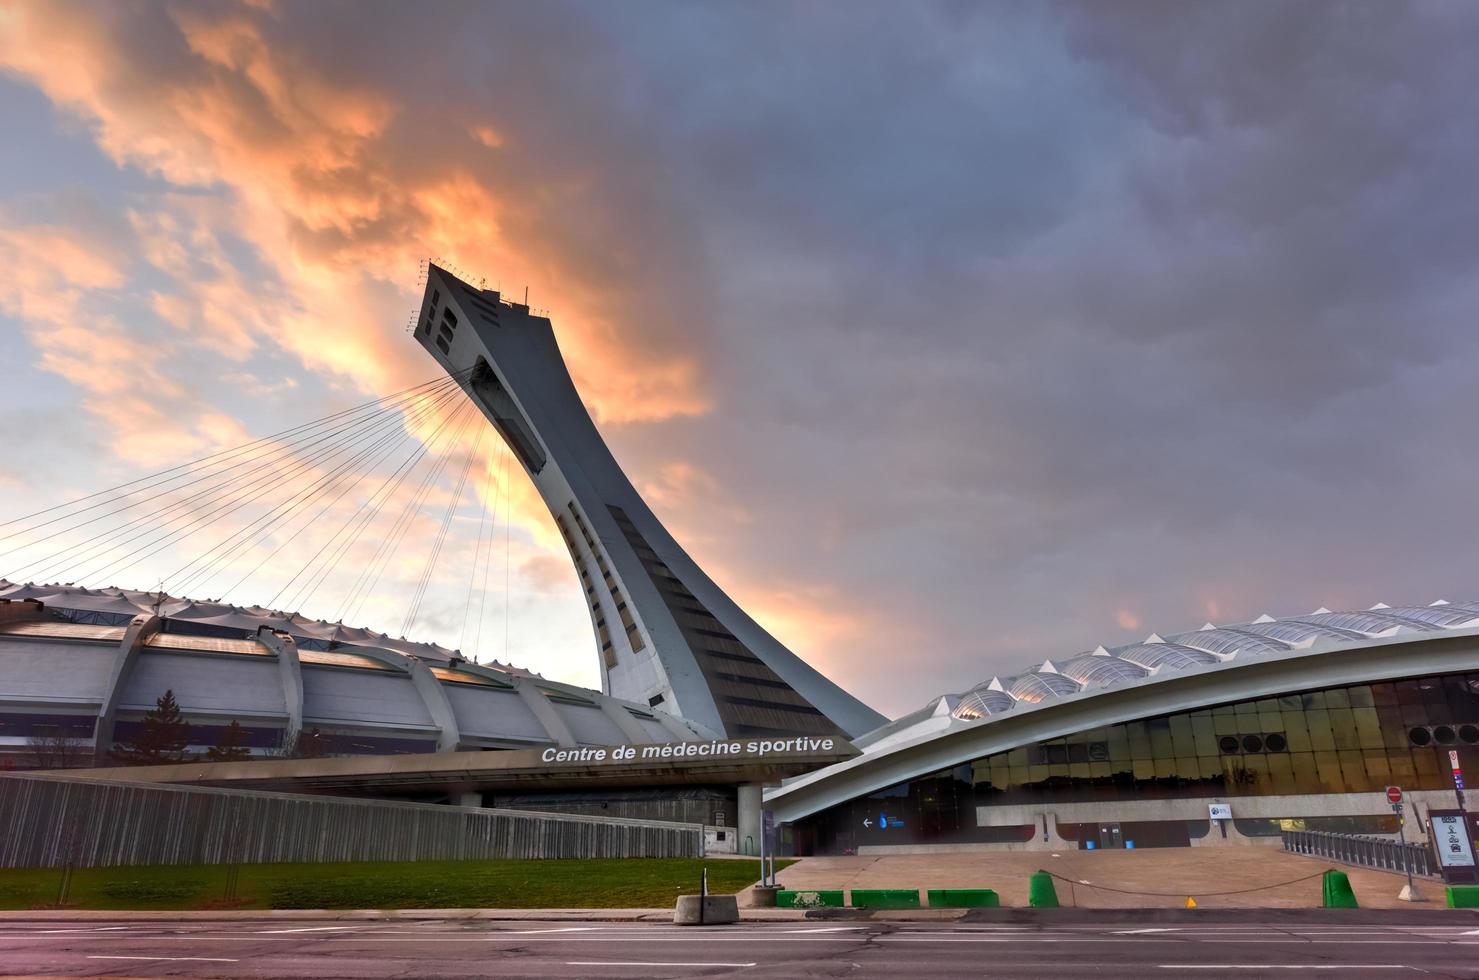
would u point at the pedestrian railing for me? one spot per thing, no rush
(1366, 852)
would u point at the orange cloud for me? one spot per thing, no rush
(303, 193)
(692, 491)
(338, 209)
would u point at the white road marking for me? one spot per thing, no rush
(172, 959)
(827, 929)
(1005, 931)
(1282, 966)
(84, 929)
(918, 938)
(631, 963)
(270, 932)
(1141, 932)
(537, 932)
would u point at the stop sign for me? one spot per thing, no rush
(1394, 794)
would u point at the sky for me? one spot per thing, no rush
(947, 337)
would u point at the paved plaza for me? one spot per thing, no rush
(1162, 878)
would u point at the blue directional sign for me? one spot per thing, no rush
(884, 822)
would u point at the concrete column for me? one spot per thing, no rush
(474, 798)
(134, 639)
(554, 725)
(290, 673)
(748, 819)
(623, 720)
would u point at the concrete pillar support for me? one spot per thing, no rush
(290, 674)
(747, 821)
(129, 648)
(554, 725)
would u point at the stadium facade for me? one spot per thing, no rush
(1219, 735)
(1283, 724)
(91, 663)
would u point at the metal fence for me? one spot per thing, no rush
(53, 821)
(1368, 852)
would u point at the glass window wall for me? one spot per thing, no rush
(1355, 739)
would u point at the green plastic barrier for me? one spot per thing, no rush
(885, 898)
(1463, 896)
(1338, 891)
(809, 900)
(1040, 891)
(963, 898)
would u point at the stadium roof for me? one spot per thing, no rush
(1160, 675)
(115, 606)
(1157, 656)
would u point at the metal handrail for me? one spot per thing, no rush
(1366, 852)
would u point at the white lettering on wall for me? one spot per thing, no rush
(720, 749)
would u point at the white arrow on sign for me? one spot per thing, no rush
(868, 822)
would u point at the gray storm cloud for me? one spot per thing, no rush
(1020, 328)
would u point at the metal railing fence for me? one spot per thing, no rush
(1366, 852)
(57, 821)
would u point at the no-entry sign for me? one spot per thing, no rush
(1394, 794)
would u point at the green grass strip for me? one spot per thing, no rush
(508, 884)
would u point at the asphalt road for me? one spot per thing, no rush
(440, 948)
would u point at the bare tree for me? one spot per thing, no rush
(55, 747)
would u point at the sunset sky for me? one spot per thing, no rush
(947, 337)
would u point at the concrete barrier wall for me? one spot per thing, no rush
(678, 804)
(51, 821)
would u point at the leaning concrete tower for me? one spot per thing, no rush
(666, 635)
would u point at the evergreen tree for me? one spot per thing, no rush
(231, 745)
(161, 739)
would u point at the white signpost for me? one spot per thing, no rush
(1394, 797)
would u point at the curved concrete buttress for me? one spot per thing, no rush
(129, 648)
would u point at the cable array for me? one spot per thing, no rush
(296, 508)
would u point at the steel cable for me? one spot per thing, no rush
(239, 498)
(314, 581)
(436, 549)
(477, 551)
(245, 537)
(36, 566)
(371, 576)
(344, 492)
(226, 453)
(1125, 891)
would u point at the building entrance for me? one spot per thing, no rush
(1108, 836)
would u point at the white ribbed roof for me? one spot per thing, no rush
(1159, 655)
(127, 602)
